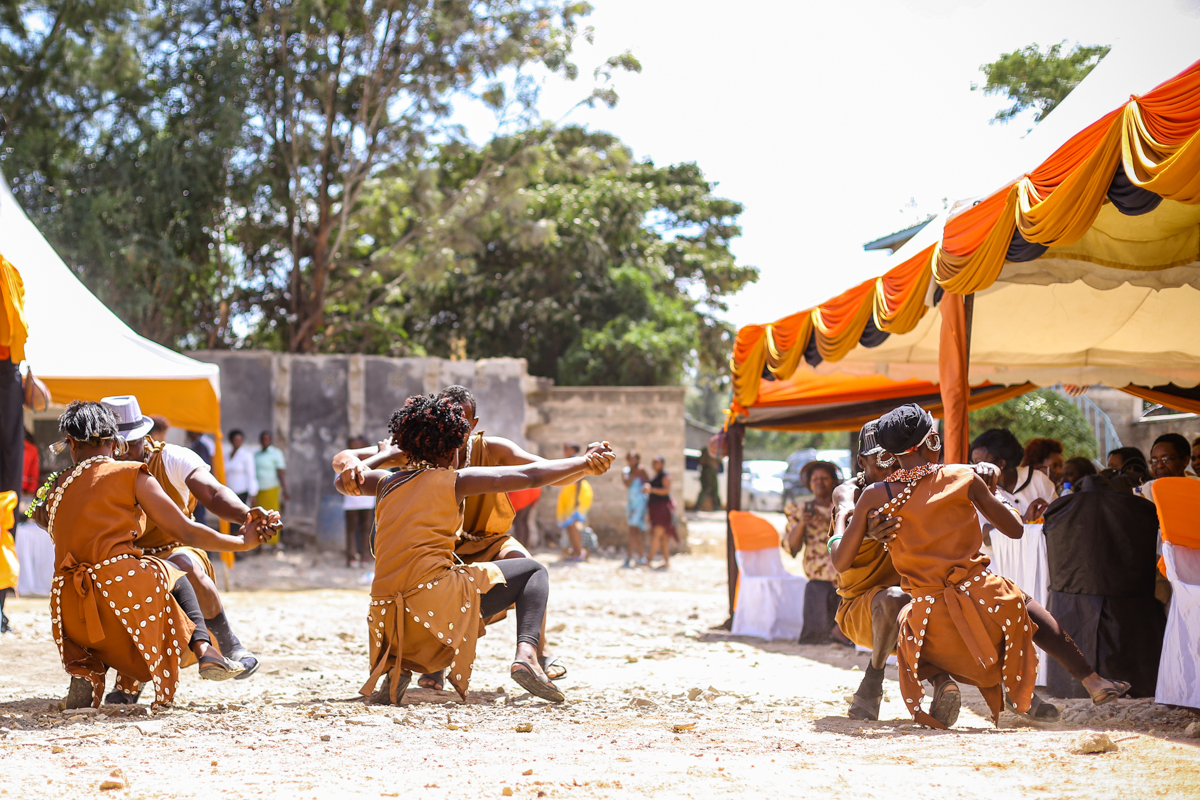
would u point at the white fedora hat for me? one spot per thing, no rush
(132, 424)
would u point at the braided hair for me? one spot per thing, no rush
(429, 427)
(88, 422)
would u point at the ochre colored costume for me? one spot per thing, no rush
(487, 518)
(963, 619)
(111, 606)
(870, 573)
(156, 543)
(424, 607)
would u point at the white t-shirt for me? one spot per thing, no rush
(358, 503)
(179, 462)
(1039, 486)
(241, 475)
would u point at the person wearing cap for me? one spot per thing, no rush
(963, 618)
(810, 532)
(188, 481)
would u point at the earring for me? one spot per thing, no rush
(884, 463)
(934, 442)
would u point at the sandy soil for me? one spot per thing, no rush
(766, 717)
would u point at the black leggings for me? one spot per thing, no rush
(186, 596)
(1054, 640)
(529, 587)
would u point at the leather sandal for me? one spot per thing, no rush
(524, 676)
(1039, 709)
(219, 668)
(383, 695)
(553, 667)
(865, 707)
(947, 702)
(249, 663)
(80, 694)
(1117, 689)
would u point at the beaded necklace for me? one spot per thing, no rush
(58, 493)
(910, 478)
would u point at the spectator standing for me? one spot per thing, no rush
(710, 482)
(1118, 457)
(1025, 487)
(270, 473)
(574, 502)
(636, 508)
(197, 444)
(811, 534)
(31, 472)
(240, 471)
(524, 502)
(661, 510)
(359, 511)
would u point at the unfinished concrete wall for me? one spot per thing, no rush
(315, 403)
(647, 419)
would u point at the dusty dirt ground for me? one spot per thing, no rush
(766, 717)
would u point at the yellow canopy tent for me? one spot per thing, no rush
(82, 350)
(1084, 270)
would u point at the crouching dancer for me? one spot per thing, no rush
(187, 480)
(963, 619)
(427, 610)
(111, 606)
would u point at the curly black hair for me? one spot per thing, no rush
(1038, 450)
(85, 421)
(429, 427)
(461, 395)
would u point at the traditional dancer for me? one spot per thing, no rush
(188, 481)
(94, 513)
(487, 519)
(963, 619)
(427, 610)
(869, 586)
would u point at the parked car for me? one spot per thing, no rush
(691, 479)
(793, 490)
(762, 485)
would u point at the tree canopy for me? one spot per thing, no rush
(201, 163)
(1041, 80)
(596, 267)
(1040, 413)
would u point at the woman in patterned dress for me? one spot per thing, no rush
(111, 607)
(427, 610)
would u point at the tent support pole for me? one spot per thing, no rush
(954, 367)
(733, 502)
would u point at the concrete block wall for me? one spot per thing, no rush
(314, 404)
(647, 419)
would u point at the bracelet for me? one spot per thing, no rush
(43, 492)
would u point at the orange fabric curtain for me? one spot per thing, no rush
(1191, 404)
(1154, 138)
(953, 362)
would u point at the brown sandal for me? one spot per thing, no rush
(1117, 689)
(947, 702)
(219, 668)
(524, 676)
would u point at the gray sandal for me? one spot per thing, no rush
(864, 708)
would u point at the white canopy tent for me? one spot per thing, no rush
(83, 351)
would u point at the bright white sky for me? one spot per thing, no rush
(834, 124)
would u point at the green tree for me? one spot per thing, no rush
(594, 266)
(120, 148)
(341, 91)
(1032, 78)
(1040, 413)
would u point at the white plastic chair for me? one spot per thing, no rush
(1179, 666)
(35, 552)
(769, 602)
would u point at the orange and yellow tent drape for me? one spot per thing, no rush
(1135, 156)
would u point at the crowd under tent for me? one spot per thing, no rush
(1084, 270)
